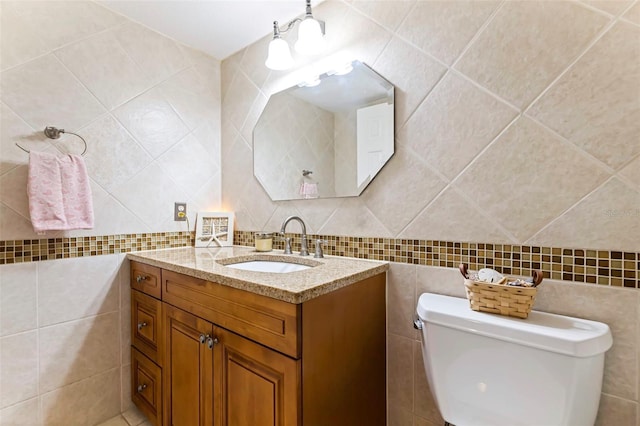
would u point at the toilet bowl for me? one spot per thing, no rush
(490, 370)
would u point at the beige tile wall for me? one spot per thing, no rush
(64, 341)
(530, 125)
(149, 109)
(516, 123)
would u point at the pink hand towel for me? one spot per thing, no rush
(59, 192)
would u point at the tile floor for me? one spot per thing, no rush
(131, 417)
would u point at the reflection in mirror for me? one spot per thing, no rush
(325, 138)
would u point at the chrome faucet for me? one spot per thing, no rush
(304, 251)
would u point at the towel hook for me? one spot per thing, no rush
(54, 133)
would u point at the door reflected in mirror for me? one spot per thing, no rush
(327, 137)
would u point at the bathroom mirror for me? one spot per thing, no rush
(325, 138)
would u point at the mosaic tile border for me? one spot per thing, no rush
(20, 251)
(603, 267)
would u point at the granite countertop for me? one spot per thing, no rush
(327, 274)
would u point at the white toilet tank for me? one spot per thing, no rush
(492, 370)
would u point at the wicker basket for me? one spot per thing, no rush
(501, 299)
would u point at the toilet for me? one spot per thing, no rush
(491, 370)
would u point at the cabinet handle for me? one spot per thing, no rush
(211, 342)
(140, 278)
(141, 388)
(141, 324)
(203, 338)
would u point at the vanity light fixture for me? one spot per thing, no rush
(310, 41)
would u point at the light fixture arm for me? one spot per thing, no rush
(277, 30)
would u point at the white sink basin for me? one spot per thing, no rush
(269, 266)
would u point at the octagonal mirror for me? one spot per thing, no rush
(325, 138)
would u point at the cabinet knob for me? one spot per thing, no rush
(140, 278)
(203, 338)
(141, 324)
(141, 388)
(211, 342)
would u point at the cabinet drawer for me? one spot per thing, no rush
(146, 325)
(272, 322)
(146, 386)
(146, 279)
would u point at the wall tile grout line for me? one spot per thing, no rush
(571, 207)
(599, 35)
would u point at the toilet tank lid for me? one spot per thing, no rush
(555, 333)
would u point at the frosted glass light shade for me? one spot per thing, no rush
(310, 38)
(279, 57)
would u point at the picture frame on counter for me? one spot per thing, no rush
(214, 229)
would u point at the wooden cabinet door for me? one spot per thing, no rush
(254, 385)
(188, 369)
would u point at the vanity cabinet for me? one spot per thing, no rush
(230, 357)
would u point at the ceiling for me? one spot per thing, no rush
(217, 27)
